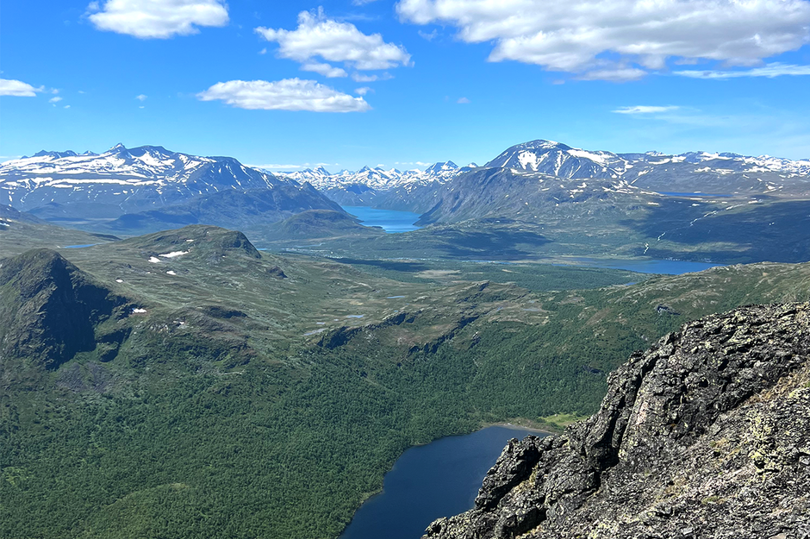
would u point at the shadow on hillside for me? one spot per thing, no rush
(769, 231)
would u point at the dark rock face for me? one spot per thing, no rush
(49, 309)
(707, 434)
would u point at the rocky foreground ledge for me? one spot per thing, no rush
(707, 434)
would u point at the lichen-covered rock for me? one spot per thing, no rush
(707, 434)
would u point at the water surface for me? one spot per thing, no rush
(440, 479)
(389, 220)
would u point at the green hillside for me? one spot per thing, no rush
(226, 392)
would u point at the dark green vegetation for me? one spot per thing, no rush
(231, 393)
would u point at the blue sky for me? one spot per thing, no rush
(274, 83)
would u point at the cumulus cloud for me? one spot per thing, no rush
(576, 36)
(55, 100)
(770, 71)
(18, 88)
(334, 41)
(327, 70)
(141, 97)
(644, 109)
(363, 91)
(157, 19)
(287, 94)
(463, 101)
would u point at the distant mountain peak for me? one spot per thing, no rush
(57, 155)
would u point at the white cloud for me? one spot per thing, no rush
(263, 51)
(363, 91)
(157, 19)
(359, 77)
(645, 109)
(418, 163)
(616, 73)
(429, 36)
(770, 71)
(276, 167)
(141, 97)
(574, 36)
(327, 70)
(463, 101)
(333, 41)
(56, 99)
(362, 2)
(67, 106)
(18, 88)
(287, 94)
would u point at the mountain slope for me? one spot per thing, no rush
(692, 172)
(122, 180)
(49, 311)
(704, 435)
(250, 210)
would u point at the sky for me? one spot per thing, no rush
(349, 83)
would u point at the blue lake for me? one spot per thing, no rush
(389, 220)
(440, 479)
(666, 267)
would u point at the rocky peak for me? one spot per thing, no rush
(707, 434)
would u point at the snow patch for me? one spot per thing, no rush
(174, 254)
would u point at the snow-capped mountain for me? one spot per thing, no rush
(377, 178)
(130, 179)
(557, 159)
(722, 173)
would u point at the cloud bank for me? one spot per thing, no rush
(621, 39)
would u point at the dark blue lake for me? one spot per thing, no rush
(667, 267)
(440, 479)
(391, 221)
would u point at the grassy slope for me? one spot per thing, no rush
(180, 437)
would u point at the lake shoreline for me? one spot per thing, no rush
(433, 480)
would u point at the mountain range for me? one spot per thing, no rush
(551, 198)
(150, 188)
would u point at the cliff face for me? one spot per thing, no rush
(707, 434)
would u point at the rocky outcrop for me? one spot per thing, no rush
(707, 434)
